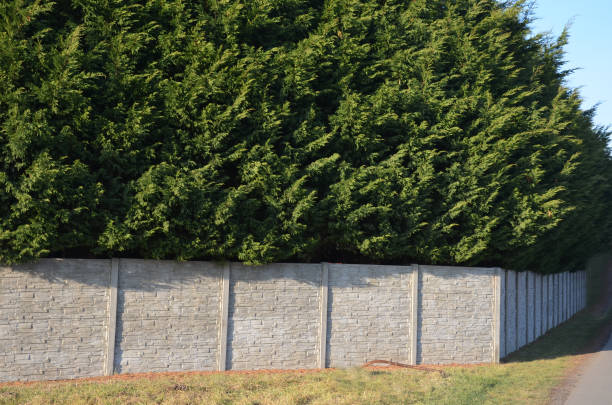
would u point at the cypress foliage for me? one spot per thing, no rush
(394, 131)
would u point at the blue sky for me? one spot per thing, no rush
(589, 48)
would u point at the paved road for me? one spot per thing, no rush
(594, 385)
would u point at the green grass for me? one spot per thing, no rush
(527, 377)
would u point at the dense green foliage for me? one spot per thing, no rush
(432, 131)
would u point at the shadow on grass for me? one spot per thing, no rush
(585, 332)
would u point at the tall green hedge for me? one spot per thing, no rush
(431, 131)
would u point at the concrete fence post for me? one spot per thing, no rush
(510, 310)
(565, 296)
(497, 314)
(224, 317)
(414, 311)
(111, 311)
(576, 291)
(580, 290)
(572, 293)
(585, 289)
(569, 294)
(552, 301)
(563, 290)
(562, 297)
(556, 298)
(565, 278)
(531, 307)
(323, 315)
(538, 306)
(544, 303)
(576, 295)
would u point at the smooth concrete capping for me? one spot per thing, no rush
(68, 318)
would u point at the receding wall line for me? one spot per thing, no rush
(324, 294)
(414, 321)
(132, 315)
(111, 311)
(223, 317)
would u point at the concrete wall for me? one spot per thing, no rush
(167, 316)
(80, 318)
(53, 319)
(456, 315)
(274, 316)
(369, 314)
(555, 298)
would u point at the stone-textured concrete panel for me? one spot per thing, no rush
(53, 319)
(456, 316)
(168, 315)
(369, 314)
(274, 316)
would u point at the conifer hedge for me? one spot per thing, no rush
(375, 131)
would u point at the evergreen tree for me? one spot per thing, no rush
(431, 131)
